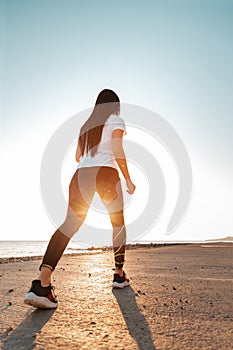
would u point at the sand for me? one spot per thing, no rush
(180, 298)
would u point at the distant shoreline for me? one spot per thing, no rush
(98, 250)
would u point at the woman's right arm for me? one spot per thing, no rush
(119, 154)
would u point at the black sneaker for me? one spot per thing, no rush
(41, 297)
(120, 282)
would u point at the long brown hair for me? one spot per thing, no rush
(107, 103)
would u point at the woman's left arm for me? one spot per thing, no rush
(78, 153)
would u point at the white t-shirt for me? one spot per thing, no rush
(104, 155)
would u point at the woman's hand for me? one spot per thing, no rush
(130, 186)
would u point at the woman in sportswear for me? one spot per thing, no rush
(98, 154)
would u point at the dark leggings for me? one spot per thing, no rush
(85, 182)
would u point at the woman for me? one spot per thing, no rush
(99, 152)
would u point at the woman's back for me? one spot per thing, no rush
(104, 155)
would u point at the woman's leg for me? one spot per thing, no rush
(79, 201)
(119, 239)
(109, 189)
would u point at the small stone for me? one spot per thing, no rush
(89, 275)
(93, 322)
(144, 306)
(139, 292)
(11, 290)
(165, 304)
(9, 329)
(9, 303)
(174, 288)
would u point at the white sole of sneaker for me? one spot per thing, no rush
(120, 285)
(40, 302)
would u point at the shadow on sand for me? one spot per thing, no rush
(134, 319)
(23, 337)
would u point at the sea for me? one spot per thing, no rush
(15, 249)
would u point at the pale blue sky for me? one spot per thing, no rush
(174, 57)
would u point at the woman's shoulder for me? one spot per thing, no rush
(115, 119)
(115, 122)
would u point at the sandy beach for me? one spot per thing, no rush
(180, 298)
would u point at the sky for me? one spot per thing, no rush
(172, 56)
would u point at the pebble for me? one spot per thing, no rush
(11, 290)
